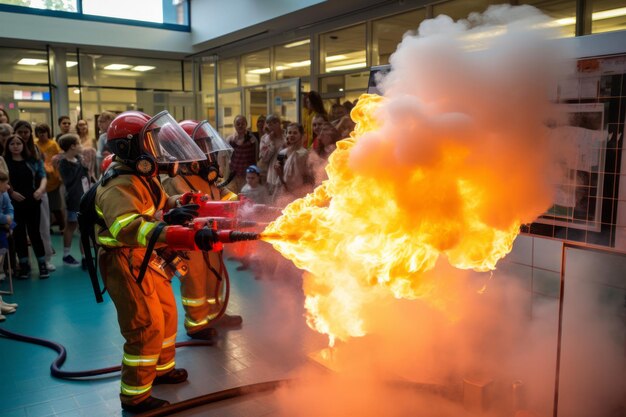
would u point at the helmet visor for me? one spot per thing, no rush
(164, 139)
(209, 140)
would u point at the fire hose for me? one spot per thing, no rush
(206, 399)
(55, 371)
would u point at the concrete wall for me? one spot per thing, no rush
(212, 19)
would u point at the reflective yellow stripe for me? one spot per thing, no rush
(122, 222)
(212, 316)
(166, 366)
(108, 241)
(191, 323)
(150, 211)
(193, 302)
(212, 300)
(132, 390)
(99, 212)
(230, 197)
(169, 341)
(143, 231)
(140, 360)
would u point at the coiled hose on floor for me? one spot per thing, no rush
(55, 371)
(55, 367)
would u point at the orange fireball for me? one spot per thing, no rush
(370, 230)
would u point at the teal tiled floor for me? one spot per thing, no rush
(272, 343)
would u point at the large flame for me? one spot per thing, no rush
(445, 167)
(351, 235)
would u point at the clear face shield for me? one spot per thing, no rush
(167, 142)
(210, 141)
(213, 145)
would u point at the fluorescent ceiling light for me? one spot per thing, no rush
(142, 68)
(297, 43)
(334, 58)
(70, 64)
(299, 64)
(605, 14)
(306, 63)
(259, 71)
(117, 67)
(609, 14)
(566, 21)
(347, 67)
(31, 61)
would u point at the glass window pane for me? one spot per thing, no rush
(156, 11)
(188, 76)
(330, 85)
(256, 67)
(283, 99)
(563, 12)
(71, 62)
(293, 59)
(62, 5)
(460, 9)
(97, 100)
(608, 16)
(22, 65)
(228, 74)
(207, 74)
(340, 85)
(26, 102)
(229, 107)
(130, 72)
(388, 32)
(208, 103)
(343, 49)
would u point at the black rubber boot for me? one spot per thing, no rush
(148, 404)
(227, 320)
(175, 376)
(207, 333)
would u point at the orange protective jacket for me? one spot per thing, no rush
(146, 315)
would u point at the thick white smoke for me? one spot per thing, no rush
(469, 97)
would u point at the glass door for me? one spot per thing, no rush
(280, 97)
(283, 99)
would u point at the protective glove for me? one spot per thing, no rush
(205, 238)
(181, 215)
(187, 198)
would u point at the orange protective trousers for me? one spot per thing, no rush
(199, 290)
(147, 319)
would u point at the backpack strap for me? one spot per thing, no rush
(149, 248)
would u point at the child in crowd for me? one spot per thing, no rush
(253, 189)
(6, 224)
(75, 176)
(291, 168)
(28, 185)
(6, 214)
(50, 148)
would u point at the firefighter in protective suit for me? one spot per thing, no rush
(201, 287)
(130, 200)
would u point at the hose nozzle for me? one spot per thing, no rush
(231, 236)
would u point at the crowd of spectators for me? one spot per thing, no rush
(35, 170)
(43, 176)
(291, 157)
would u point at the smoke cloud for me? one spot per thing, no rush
(464, 113)
(468, 100)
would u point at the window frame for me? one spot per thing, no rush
(79, 15)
